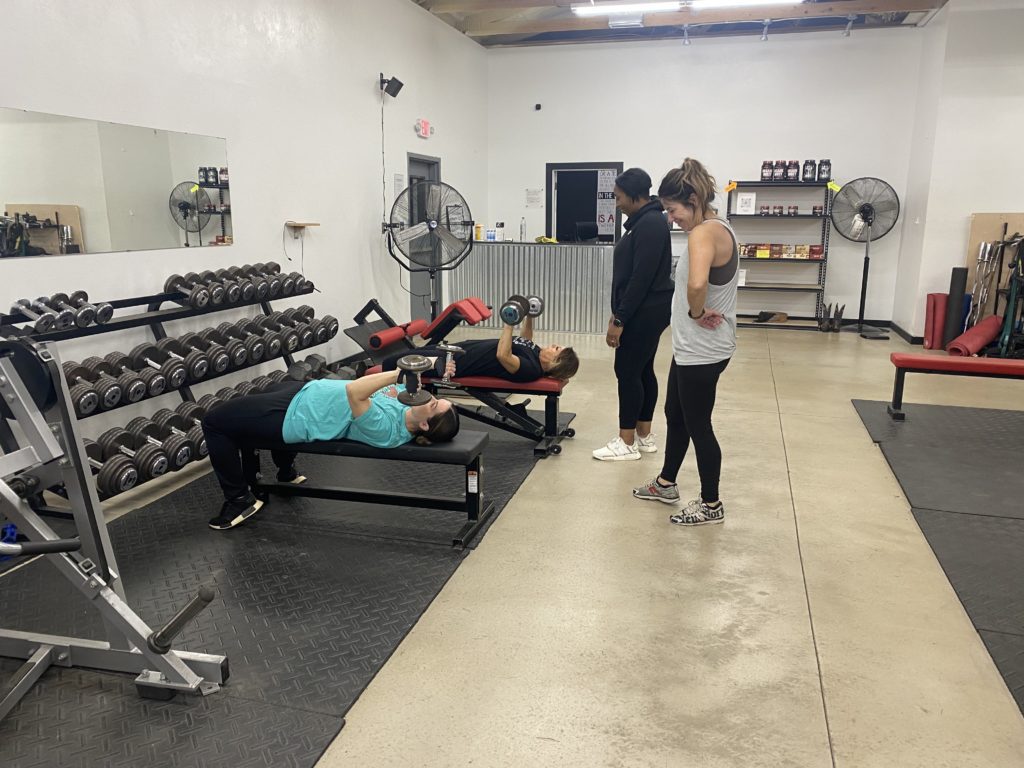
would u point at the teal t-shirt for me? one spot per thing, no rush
(321, 411)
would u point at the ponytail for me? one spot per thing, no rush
(692, 178)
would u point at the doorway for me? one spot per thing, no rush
(422, 168)
(580, 204)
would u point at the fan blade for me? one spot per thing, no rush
(453, 243)
(403, 236)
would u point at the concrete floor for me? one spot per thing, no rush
(814, 628)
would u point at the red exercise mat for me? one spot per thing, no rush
(977, 338)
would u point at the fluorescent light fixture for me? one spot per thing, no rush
(606, 9)
(625, 20)
(700, 5)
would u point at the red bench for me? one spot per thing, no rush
(988, 367)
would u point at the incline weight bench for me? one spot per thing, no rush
(383, 337)
(993, 368)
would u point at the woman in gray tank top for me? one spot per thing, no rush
(703, 340)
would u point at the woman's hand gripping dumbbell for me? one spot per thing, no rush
(518, 308)
(411, 369)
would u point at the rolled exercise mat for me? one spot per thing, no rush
(953, 326)
(929, 321)
(977, 338)
(938, 319)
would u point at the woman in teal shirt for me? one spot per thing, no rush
(366, 410)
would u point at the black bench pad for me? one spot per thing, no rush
(466, 446)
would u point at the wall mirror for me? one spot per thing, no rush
(70, 185)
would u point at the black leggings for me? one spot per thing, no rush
(390, 362)
(634, 364)
(688, 407)
(250, 419)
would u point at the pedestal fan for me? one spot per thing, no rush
(188, 204)
(432, 227)
(865, 210)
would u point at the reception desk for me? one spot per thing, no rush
(574, 281)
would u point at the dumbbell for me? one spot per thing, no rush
(147, 355)
(293, 319)
(133, 388)
(218, 356)
(206, 403)
(450, 351)
(84, 382)
(113, 476)
(301, 283)
(179, 447)
(188, 417)
(84, 315)
(211, 342)
(273, 341)
(254, 346)
(277, 376)
(246, 388)
(305, 314)
(411, 369)
(156, 382)
(518, 308)
(227, 393)
(80, 300)
(148, 459)
(232, 290)
(197, 363)
(288, 338)
(246, 286)
(198, 296)
(260, 284)
(308, 369)
(44, 319)
(262, 382)
(276, 281)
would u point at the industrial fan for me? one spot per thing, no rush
(432, 228)
(188, 203)
(865, 210)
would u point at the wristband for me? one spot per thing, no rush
(698, 317)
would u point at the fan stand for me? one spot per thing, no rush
(866, 331)
(182, 207)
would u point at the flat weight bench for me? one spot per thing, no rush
(465, 450)
(992, 368)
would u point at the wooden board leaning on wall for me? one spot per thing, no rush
(988, 227)
(48, 239)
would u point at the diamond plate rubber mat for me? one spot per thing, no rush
(953, 459)
(961, 471)
(310, 604)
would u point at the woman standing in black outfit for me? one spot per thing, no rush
(641, 309)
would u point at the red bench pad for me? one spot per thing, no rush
(975, 365)
(542, 386)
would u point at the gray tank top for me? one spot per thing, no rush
(692, 344)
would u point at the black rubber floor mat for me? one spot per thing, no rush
(306, 612)
(1008, 653)
(953, 459)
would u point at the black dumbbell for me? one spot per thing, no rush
(81, 380)
(227, 393)
(254, 346)
(148, 459)
(44, 318)
(272, 272)
(277, 376)
(313, 367)
(156, 382)
(411, 369)
(272, 267)
(232, 290)
(260, 284)
(277, 321)
(305, 314)
(80, 300)
(133, 388)
(206, 403)
(246, 388)
(191, 428)
(197, 363)
(246, 286)
(288, 338)
(193, 413)
(84, 315)
(114, 475)
(198, 296)
(179, 447)
(272, 340)
(211, 342)
(262, 382)
(147, 355)
(218, 356)
(84, 398)
(275, 285)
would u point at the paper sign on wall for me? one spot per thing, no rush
(605, 202)
(535, 198)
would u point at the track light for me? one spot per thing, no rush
(390, 85)
(686, 34)
(764, 32)
(849, 24)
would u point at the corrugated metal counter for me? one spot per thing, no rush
(574, 281)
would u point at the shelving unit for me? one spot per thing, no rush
(779, 193)
(224, 215)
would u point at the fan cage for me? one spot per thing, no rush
(431, 225)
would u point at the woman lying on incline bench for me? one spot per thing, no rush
(513, 358)
(366, 410)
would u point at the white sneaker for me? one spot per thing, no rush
(646, 444)
(617, 450)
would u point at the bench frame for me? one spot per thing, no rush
(895, 408)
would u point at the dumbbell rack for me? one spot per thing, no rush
(155, 315)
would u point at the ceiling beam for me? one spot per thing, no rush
(717, 16)
(478, 6)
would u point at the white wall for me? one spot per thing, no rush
(293, 88)
(728, 102)
(977, 162)
(47, 159)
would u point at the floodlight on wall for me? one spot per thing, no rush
(610, 9)
(390, 85)
(849, 25)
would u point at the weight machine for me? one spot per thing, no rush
(46, 451)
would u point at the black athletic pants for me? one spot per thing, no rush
(688, 407)
(634, 364)
(249, 419)
(390, 362)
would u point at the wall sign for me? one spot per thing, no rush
(605, 202)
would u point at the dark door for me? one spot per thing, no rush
(421, 169)
(575, 205)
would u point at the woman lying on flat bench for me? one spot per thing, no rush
(366, 410)
(513, 358)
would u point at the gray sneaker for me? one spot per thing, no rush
(697, 512)
(652, 491)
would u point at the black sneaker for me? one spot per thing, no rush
(290, 475)
(235, 512)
